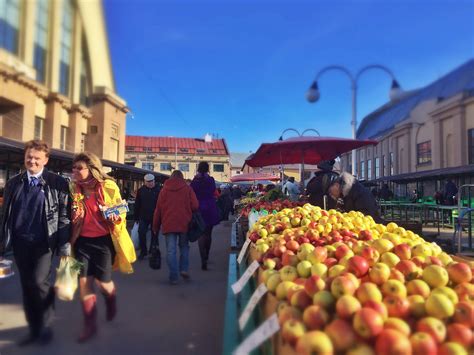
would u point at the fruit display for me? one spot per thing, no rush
(269, 206)
(343, 284)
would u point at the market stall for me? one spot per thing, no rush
(308, 276)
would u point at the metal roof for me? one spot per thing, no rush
(387, 116)
(170, 144)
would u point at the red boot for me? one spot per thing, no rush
(89, 311)
(111, 305)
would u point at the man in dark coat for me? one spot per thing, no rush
(36, 222)
(319, 184)
(450, 192)
(145, 203)
(354, 195)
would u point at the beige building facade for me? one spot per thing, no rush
(51, 86)
(165, 154)
(427, 129)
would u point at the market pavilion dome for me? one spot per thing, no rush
(385, 118)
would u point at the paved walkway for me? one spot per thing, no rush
(154, 317)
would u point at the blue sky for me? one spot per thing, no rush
(241, 69)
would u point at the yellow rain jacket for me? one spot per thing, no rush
(122, 242)
(123, 245)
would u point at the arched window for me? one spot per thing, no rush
(66, 48)
(85, 84)
(9, 24)
(41, 39)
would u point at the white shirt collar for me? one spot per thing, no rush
(35, 175)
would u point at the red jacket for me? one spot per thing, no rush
(175, 207)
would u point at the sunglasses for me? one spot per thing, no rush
(78, 168)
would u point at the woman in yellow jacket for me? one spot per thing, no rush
(100, 244)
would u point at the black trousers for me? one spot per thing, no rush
(34, 266)
(205, 244)
(143, 226)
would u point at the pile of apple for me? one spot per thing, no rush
(269, 206)
(347, 285)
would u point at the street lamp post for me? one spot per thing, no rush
(302, 164)
(313, 93)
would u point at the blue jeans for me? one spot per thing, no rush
(171, 241)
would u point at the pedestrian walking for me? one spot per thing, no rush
(100, 244)
(145, 203)
(291, 189)
(173, 212)
(36, 224)
(204, 186)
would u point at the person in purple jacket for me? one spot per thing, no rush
(204, 187)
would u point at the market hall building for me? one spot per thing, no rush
(165, 154)
(425, 137)
(57, 84)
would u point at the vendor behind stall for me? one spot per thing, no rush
(354, 195)
(319, 184)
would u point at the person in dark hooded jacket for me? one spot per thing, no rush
(354, 195)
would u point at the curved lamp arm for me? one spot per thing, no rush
(310, 130)
(287, 130)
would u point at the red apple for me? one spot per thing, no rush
(432, 326)
(301, 299)
(465, 292)
(314, 284)
(391, 341)
(367, 323)
(289, 258)
(347, 306)
(292, 330)
(334, 331)
(423, 344)
(397, 306)
(380, 307)
(278, 250)
(315, 317)
(330, 262)
(403, 251)
(314, 342)
(408, 269)
(293, 245)
(460, 334)
(341, 251)
(358, 265)
(459, 273)
(365, 235)
(342, 285)
(370, 254)
(464, 313)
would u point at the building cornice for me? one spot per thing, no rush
(64, 101)
(83, 110)
(101, 93)
(452, 107)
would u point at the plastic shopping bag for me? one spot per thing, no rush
(134, 235)
(66, 278)
(253, 217)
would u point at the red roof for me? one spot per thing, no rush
(169, 145)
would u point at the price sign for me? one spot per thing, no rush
(243, 251)
(258, 336)
(239, 285)
(254, 300)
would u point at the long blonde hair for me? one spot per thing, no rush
(94, 165)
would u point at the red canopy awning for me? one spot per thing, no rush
(305, 149)
(254, 177)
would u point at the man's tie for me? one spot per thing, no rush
(33, 181)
